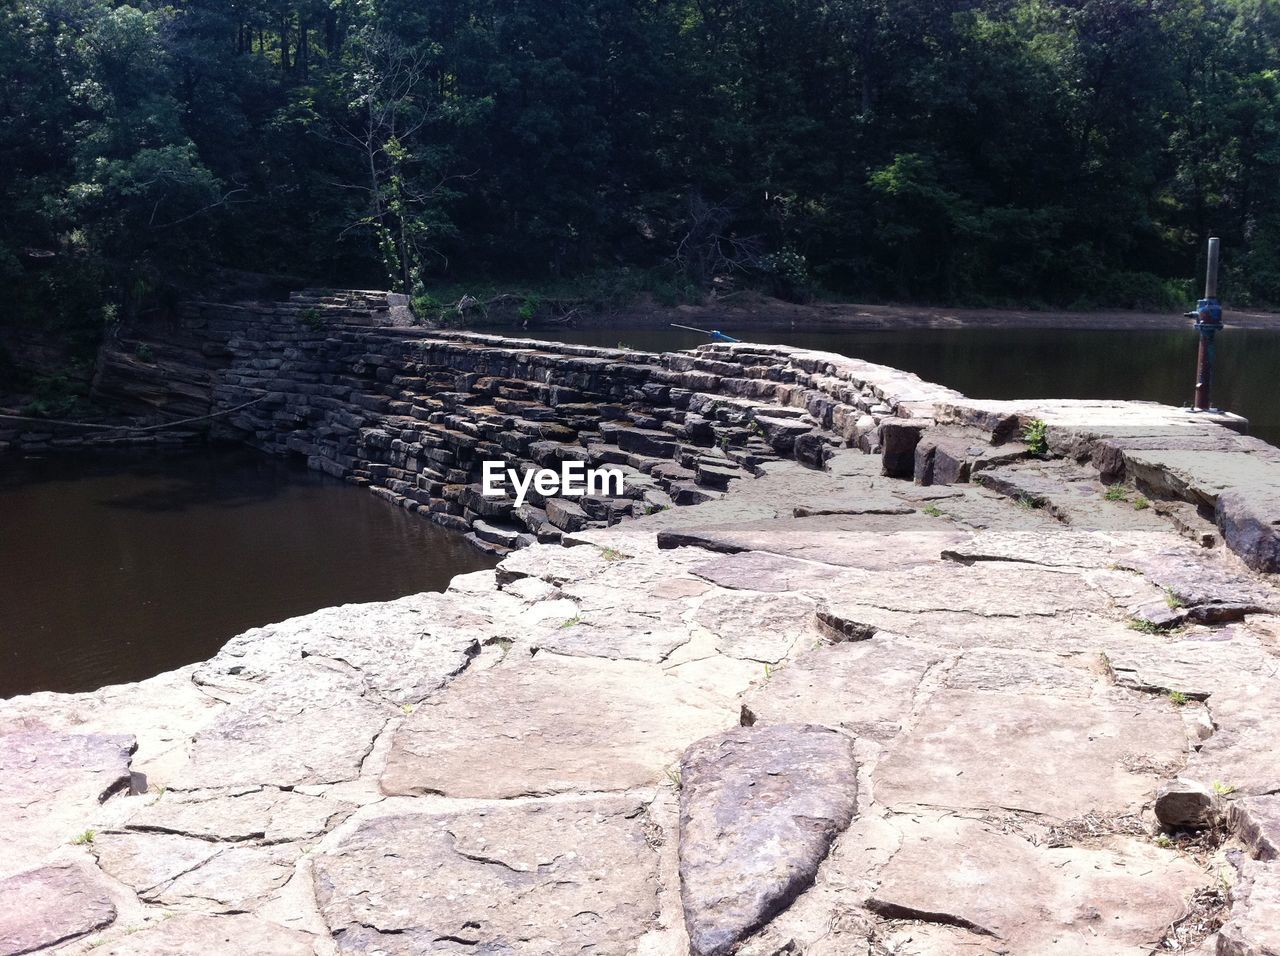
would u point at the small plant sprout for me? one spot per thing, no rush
(1223, 789)
(1178, 698)
(1104, 660)
(1172, 599)
(84, 839)
(1164, 842)
(311, 319)
(933, 511)
(1116, 493)
(1142, 626)
(572, 622)
(1036, 436)
(673, 775)
(1141, 504)
(406, 709)
(612, 554)
(768, 671)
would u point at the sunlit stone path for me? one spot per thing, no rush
(832, 711)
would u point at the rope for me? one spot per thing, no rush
(133, 428)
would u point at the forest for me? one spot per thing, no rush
(1066, 153)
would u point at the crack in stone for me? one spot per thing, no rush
(898, 911)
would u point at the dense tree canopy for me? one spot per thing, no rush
(1031, 151)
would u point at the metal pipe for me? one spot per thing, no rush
(1204, 371)
(1211, 270)
(1208, 316)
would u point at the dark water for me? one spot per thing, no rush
(115, 568)
(1037, 363)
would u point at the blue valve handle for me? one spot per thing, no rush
(1208, 314)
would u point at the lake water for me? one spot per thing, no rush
(1148, 364)
(117, 567)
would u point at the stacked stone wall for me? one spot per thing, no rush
(413, 413)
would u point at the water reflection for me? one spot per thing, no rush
(117, 567)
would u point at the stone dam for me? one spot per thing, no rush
(849, 667)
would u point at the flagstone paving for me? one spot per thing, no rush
(830, 713)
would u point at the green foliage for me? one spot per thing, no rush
(1035, 435)
(85, 838)
(985, 152)
(529, 307)
(1141, 504)
(933, 511)
(311, 319)
(1178, 698)
(55, 395)
(1116, 493)
(144, 352)
(1223, 789)
(1143, 626)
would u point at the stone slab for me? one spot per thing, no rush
(309, 726)
(1029, 899)
(1056, 756)
(536, 879)
(759, 809)
(865, 687)
(529, 727)
(51, 905)
(53, 785)
(243, 934)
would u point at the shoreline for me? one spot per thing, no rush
(774, 314)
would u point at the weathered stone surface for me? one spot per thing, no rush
(253, 814)
(867, 687)
(1210, 590)
(51, 905)
(1185, 804)
(1030, 899)
(242, 934)
(759, 808)
(161, 713)
(987, 750)
(635, 638)
(235, 880)
(53, 783)
(872, 535)
(566, 515)
(528, 727)
(404, 649)
(1254, 927)
(973, 673)
(898, 440)
(759, 571)
(148, 861)
(540, 879)
(1248, 524)
(757, 627)
(1256, 820)
(173, 869)
(310, 727)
